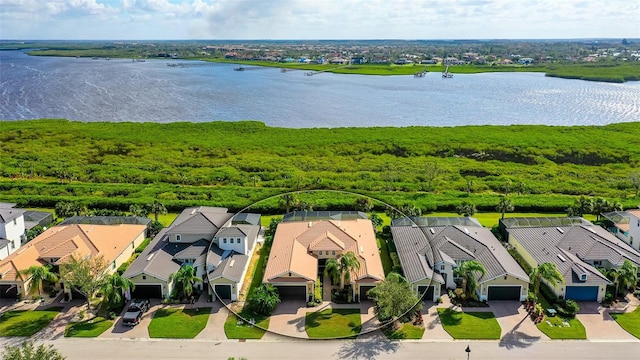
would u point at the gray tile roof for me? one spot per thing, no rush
(231, 267)
(7, 215)
(4, 242)
(559, 245)
(232, 231)
(451, 243)
(200, 220)
(194, 251)
(157, 258)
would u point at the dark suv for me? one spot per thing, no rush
(134, 312)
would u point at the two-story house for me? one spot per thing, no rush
(12, 230)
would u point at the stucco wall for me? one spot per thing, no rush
(501, 281)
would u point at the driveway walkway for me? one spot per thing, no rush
(289, 319)
(517, 328)
(433, 329)
(599, 324)
(140, 331)
(215, 325)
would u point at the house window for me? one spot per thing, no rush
(442, 267)
(178, 237)
(333, 252)
(224, 240)
(238, 240)
(13, 245)
(144, 277)
(231, 241)
(113, 265)
(631, 241)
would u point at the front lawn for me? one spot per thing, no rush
(178, 323)
(629, 321)
(236, 328)
(89, 328)
(470, 325)
(333, 323)
(26, 323)
(406, 331)
(556, 328)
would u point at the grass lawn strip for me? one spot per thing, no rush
(470, 325)
(332, 323)
(236, 328)
(406, 331)
(555, 328)
(629, 321)
(178, 323)
(87, 329)
(26, 323)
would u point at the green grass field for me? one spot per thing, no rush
(629, 321)
(557, 330)
(178, 323)
(26, 323)
(236, 328)
(405, 332)
(472, 325)
(90, 328)
(333, 323)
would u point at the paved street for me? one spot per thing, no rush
(369, 349)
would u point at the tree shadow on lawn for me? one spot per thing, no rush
(518, 339)
(450, 317)
(368, 348)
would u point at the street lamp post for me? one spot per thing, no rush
(468, 351)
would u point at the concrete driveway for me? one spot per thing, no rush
(599, 324)
(118, 330)
(288, 319)
(215, 325)
(517, 328)
(433, 329)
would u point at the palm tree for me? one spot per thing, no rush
(466, 209)
(504, 205)
(114, 286)
(545, 271)
(264, 299)
(340, 269)
(332, 270)
(469, 270)
(38, 275)
(185, 277)
(628, 275)
(137, 210)
(363, 204)
(376, 221)
(288, 201)
(348, 263)
(157, 208)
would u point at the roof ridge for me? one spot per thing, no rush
(88, 238)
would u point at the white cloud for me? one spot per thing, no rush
(318, 19)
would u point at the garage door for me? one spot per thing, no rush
(223, 291)
(582, 293)
(8, 292)
(363, 292)
(147, 291)
(292, 292)
(504, 293)
(427, 291)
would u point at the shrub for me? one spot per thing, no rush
(567, 308)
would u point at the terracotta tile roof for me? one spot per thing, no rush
(60, 241)
(293, 241)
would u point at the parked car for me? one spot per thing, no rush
(134, 313)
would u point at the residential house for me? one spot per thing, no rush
(625, 225)
(12, 230)
(303, 243)
(576, 246)
(430, 249)
(116, 243)
(206, 238)
(358, 60)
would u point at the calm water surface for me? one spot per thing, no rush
(123, 90)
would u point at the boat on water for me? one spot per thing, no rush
(238, 69)
(446, 74)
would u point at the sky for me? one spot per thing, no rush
(317, 19)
